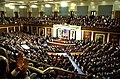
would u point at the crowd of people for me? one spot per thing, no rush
(37, 52)
(98, 60)
(84, 21)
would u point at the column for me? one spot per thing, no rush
(19, 28)
(45, 31)
(82, 34)
(55, 13)
(31, 30)
(78, 33)
(29, 14)
(14, 29)
(37, 30)
(53, 32)
(7, 30)
(92, 35)
(41, 14)
(108, 37)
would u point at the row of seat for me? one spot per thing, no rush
(37, 52)
(97, 60)
(84, 21)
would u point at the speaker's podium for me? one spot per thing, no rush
(62, 42)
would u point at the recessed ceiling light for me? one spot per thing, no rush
(34, 6)
(21, 2)
(103, 2)
(64, 4)
(116, 1)
(47, 5)
(92, 3)
(81, 3)
(11, 7)
(73, 4)
(7, 5)
(21, 6)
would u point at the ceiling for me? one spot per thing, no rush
(28, 2)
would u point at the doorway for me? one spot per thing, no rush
(100, 38)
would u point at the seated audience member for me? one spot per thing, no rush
(3, 52)
(21, 68)
(19, 72)
(3, 67)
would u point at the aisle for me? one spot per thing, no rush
(75, 65)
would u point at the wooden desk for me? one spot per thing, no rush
(59, 44)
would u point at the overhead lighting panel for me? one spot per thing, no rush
(34, 6)
(64, 4)
(21, 2)
(47, 5)
(7, 5)
(73, 4)
(22, 6)
(11, 7)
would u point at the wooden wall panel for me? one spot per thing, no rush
(3, 30)
(114, 38)
(117, 14)
(11, 29)
(25, 29)
(21, 29)
(87, 35)
(100, 33)
(16, 29)
(48, 31)
(34, 30)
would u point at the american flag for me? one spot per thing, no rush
(66, 33)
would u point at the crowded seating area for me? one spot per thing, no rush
(36, 54)
(59, 39)
(84, 21)
(98, 61)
